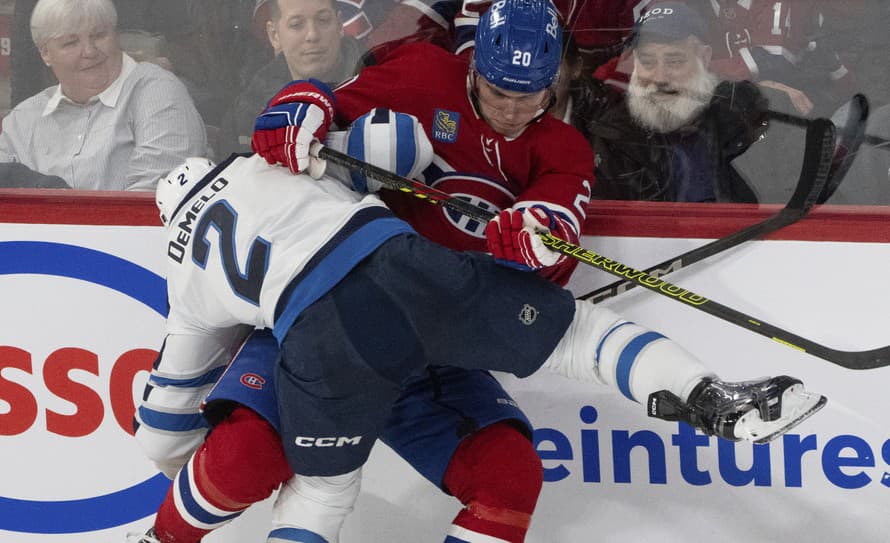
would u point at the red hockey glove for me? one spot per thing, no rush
(514, 241)
(299, 114)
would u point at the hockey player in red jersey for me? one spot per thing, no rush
(495, 146)
(485, 116)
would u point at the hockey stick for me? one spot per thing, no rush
(813, 174)
(849, 141)
(820, 169)
(857, 360)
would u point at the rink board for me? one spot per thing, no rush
(82, 316)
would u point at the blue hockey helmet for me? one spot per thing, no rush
(518, 45)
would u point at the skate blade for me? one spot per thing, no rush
(797, 406)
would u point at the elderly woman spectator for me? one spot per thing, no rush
(110, 123)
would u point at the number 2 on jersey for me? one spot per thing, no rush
(224, 219)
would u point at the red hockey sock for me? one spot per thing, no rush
(241, 462)
(497, 475)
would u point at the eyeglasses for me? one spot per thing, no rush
(524, 103)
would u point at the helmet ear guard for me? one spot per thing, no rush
(177, 183)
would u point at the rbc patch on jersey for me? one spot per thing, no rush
(445, 125)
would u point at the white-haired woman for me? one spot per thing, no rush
(111, 123)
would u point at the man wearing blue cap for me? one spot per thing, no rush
(673, 134)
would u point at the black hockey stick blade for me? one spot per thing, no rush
(850, 138)
(819, 156)
(856, 360)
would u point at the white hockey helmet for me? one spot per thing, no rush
(173, 187)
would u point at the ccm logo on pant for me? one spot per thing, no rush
(303, 441)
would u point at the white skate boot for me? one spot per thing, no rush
(147, 537)
(757, 411)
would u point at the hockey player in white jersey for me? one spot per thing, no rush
(358, 303)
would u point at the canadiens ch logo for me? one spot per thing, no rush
(469, 225)
(445, 125)
(252, 380)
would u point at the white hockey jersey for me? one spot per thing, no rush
(248, 230)
(250, 246)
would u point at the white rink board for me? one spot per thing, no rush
(826, 482)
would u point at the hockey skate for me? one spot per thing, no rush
(147, 537)
(757, 411)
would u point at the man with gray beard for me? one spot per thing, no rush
(673, 134)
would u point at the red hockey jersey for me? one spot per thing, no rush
(549, 163)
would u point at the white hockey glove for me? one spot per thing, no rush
(387, 139)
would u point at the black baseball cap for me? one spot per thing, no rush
(667, 22)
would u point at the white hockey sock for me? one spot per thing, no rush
(601, 346)
(313, 508)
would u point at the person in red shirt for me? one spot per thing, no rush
(778, 44)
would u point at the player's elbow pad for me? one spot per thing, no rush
(169, 419)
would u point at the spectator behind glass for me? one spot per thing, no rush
(673, 134)
(309, 35)
(782, 45)
(111, 123)
(387, 21)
